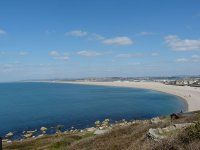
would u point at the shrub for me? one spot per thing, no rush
(191, 133)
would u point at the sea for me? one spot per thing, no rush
(29, 106)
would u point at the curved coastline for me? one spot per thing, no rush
(117, 84)
(190, 95)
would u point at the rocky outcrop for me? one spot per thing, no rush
(43, 130)
(156, 120)
(100, 132)
(92, 129)
(28, 135)
(9, 135)
(160, 133)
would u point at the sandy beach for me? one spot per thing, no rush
(190, 94)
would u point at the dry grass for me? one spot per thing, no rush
(131, 137)
(118, 139)
(59, 141)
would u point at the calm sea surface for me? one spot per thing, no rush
(26, 106)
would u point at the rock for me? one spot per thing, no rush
(33, 131)
(81, 131)
(43, 128)
(176, 126)
(122, 124)
(101, 128)
(169, 128)
(28, 135)
(157, 134)
(183, 125)
(160, 131)
(100, 132)
(155, 120)
(4, 140)
(154, 134)
(133, 122)
(97, 123)
(9, 141)
(66, 132)
(40, 135)
(9, 135)
(105, 123)
(92, 129)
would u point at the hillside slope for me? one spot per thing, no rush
(155, 134)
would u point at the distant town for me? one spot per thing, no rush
(193, 81)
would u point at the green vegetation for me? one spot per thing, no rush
(191, 133)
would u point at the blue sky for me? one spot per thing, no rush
(44, 39)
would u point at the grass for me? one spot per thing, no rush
(52, 142)
(191, 133)
(130, 137)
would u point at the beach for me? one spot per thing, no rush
(79, 106)
(191, 95)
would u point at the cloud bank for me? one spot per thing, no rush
(120, 40)
(76, 33)
(178, 44)
(89, 53)
(58, 56)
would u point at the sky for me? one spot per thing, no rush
(48, 39)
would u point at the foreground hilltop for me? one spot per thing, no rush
(176, 132)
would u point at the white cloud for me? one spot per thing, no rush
(89, 53)
(2, 33)
(154, 54)
(58, 56)
(195, 58)
(129, 55)
(64, 58)
(145, 33)
(96, 37)
(120, 40)
(22, 53)
(182, 60)
(54, 54)
(76, 33)
(17, 53)
(175, 43)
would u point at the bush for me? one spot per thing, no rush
(191, 133)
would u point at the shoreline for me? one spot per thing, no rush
(190, 95)
(182, 93)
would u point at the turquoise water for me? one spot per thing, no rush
(25, 106)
